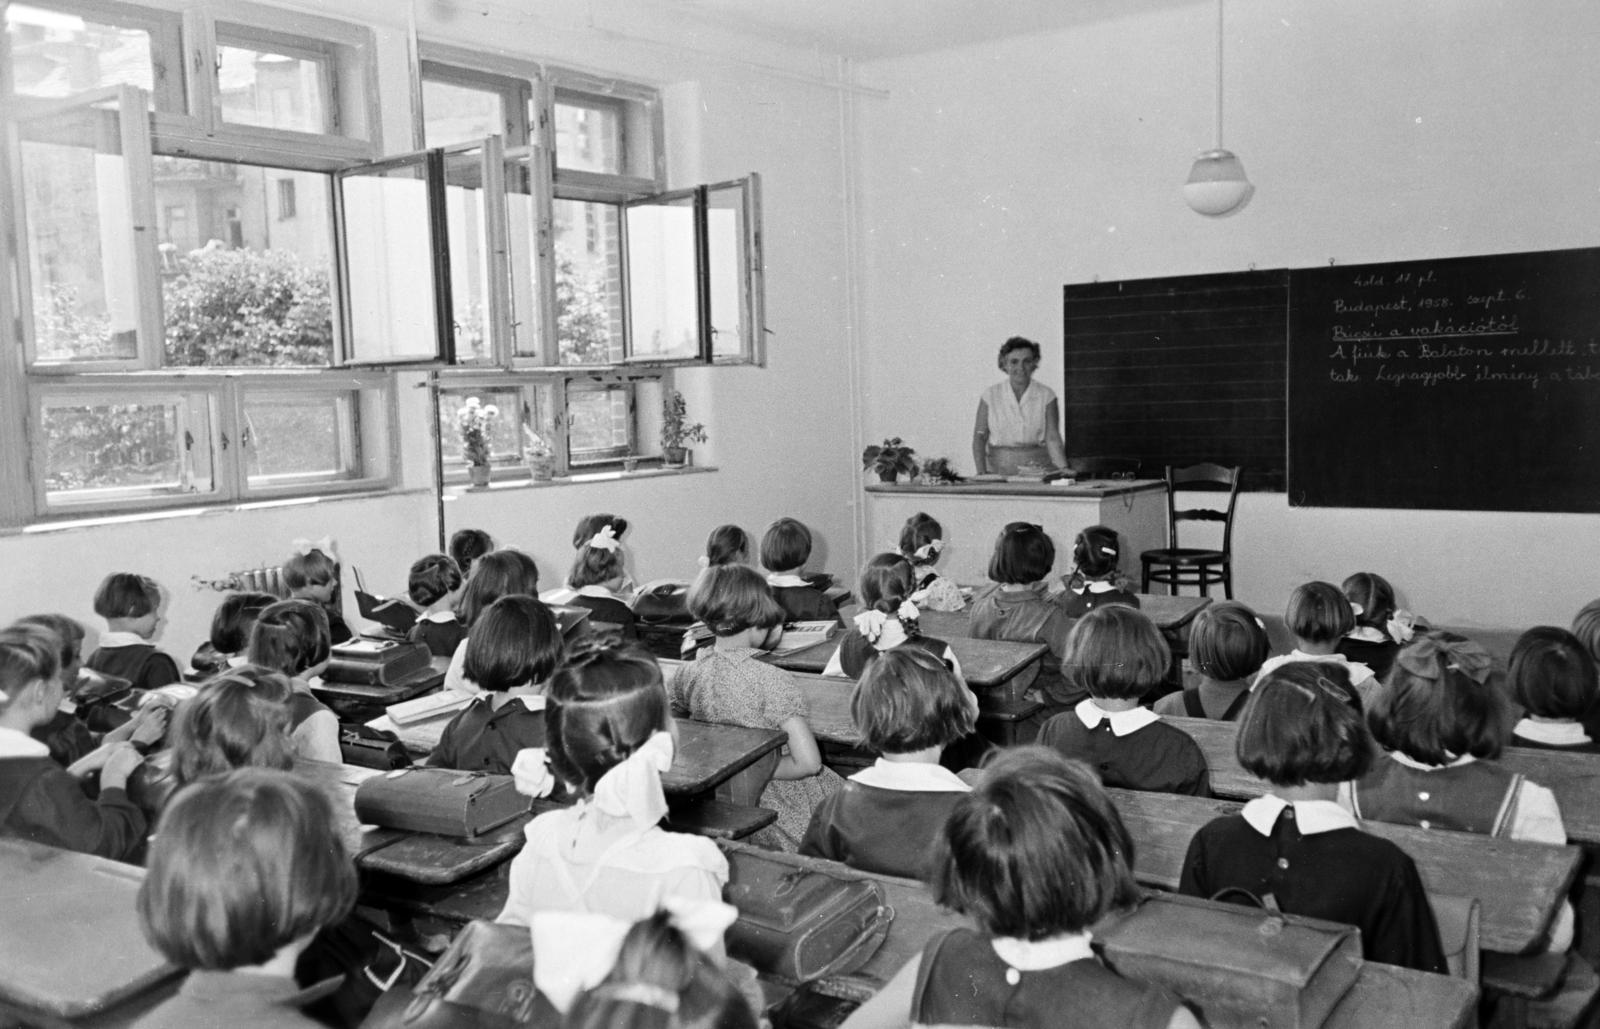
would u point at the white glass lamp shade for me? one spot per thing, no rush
(1217, 184)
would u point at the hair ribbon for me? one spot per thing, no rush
(928, 551)
(530, 772)
(305, 547)
(704, 561)
(632, 789)
(1429, 656)
(1401, 627)
(604, 539)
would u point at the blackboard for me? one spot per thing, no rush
(1179, 370)
(1468, 383)
(1459, 383)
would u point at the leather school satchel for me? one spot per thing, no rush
(444, 801)
(371, 748)
(364, 662)
(1240, 966)
(800, 923)
(483, 981)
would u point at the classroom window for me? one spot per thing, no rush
(168, 264)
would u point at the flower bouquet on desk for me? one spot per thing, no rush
(891, 460)
(474, 421)
(936, 471)
(540, 455)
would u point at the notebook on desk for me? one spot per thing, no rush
(800, 635)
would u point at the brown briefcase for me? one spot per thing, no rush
(365, 662)
(439, 800)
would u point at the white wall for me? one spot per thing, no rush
(779, 436)
(1374, 131)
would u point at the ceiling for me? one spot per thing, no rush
(868, 30)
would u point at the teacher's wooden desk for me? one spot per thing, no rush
(1519, 885)
(973, 513)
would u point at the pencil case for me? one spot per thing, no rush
(439, 800)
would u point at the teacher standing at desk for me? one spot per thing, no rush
(1019, 420)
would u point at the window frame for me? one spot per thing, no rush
(169, 66)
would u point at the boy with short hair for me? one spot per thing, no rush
(40, 800)
(131, 606)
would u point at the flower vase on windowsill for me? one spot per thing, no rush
(676, 430)
(474, 421)
(541, 455)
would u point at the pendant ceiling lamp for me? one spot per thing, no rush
(1217, 184)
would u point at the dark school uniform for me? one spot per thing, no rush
(1572, 737)
(240, 1000)
(1029, 616)
(962, 981)
(125, 656)
(1313, 858)
(1081, 598)
(40, 801)
(1218, 701)
(602, 604)
(802, 601)
(1377, 655)
(855, 651)
(1134, 749)
(481, 738)
(884, 818)
(442, 635)
(1479, 796)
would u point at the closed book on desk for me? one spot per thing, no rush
(439, 800)
(366, 662)
(71, 943)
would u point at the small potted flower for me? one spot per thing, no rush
(540, 454)
(676, 430)
(891, 460)
(936, 471)
(474, 421)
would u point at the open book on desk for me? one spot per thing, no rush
(800, 635)
(393, 612)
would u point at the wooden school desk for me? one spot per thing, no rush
(1169, 613)
(985, 664)
(1573, 778)
(1382, 995)
(1519, 885)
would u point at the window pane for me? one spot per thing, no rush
(80, 244)
(522, 234)
(275, 90)
(388, 252)
(505, 430)
(459, 114)
(725, 230)
(602, 425)
(99, 450)
(58, 55)
(589, 137)
(246, 266)
(295, 437)
(469, 253)
(588, 282)
(663, 297)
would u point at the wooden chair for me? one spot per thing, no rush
(1189, 566)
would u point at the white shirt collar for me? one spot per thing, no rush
(1367, 634)
(120, 639)
(1094, 586)
(785, 579)
(238, 661)
(1557, 734)
(531, 701)
(15, 743)
(1411, 762)
(441, 617)
(910, 777)
(1123, 723)
(1312, 816)
(1033, 955)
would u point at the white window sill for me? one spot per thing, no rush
(577, 479)
(69, 523)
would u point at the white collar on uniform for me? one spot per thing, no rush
(1359, 673)
(910, 777)
(1033, 955)
(1367, 634)
(120, 639)
(441, 617)
(1411, 762)
(785, 579)
(1556, 734)
(1122, 722)
(15, 743)
(531, 701)
(1312, 816)
(1094, 586)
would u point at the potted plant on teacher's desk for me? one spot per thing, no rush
(676, 430)
(891, 460)
(474, 422)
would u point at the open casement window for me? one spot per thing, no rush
(693, 275)
(82, 175)
(61, 48)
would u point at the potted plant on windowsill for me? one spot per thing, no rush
(474, 421)
(540, 454)
(891, 460)
(676, 430)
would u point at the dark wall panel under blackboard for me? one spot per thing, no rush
(1179, 370)
(1459, 383)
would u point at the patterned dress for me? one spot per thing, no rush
(731, 686)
